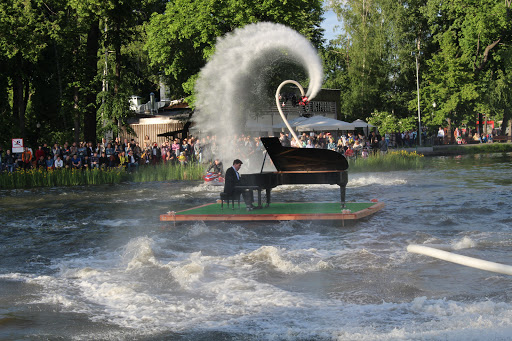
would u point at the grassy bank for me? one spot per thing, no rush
(72, 177)
(392, 161)
(481, 148)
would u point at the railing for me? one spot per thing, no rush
(313, 107)
(146, 108)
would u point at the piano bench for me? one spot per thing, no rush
(228, 198)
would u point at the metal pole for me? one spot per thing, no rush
(418, 90)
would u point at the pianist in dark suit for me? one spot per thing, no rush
(233, 179)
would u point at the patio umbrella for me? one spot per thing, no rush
(362, 124)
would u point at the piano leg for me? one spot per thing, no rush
(342, 195)
(267, 192)
(259, 198)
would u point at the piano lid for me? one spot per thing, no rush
(288, 159)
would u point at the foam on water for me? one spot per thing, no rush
(464, 243)
(136, 289)
(282, 281)
(372, 179)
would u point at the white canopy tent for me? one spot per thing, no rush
(293, 122)
(320, 123)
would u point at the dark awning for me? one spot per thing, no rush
(183, 131)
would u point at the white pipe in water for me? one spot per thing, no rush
(460, 259)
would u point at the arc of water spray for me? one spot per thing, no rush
(281, 111)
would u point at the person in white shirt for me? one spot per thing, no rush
(59, 163)
(440, 135)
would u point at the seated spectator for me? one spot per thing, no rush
(175, 147)
(137, 150)
(146, 156)
(86, 162)
(357, 146)
(49, 162)
(73, 150)
(156, 154)
(171, 158)
(41, 163)
(123, 159)
(67, 162)
(9, 161)
(19, 161)
(341, 144)
(82, 150)
(331, 145)
(113, 161)
(65, 151)
(76, 162)
(133, 161)
(59, 163)
(182, 158)
(364, 153)
(95, 161)
(109, 150)
(117, 148)
(103, 160)
(56, 151)
(349, 152)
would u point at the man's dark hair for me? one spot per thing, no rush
(237, 162)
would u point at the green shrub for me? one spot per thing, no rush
(392, 161)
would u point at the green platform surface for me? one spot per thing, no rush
(279, 208)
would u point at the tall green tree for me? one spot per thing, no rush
(472, 38)
(181, 39)
(24, 31)
(379, 43)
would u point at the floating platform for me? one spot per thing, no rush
(276, 212)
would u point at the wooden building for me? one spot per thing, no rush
(167, 119)
(160, 122)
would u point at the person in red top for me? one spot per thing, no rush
(40, 152)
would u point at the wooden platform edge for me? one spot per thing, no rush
(171, 216)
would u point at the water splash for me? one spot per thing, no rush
(234, 83)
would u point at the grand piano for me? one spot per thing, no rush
(297, 166)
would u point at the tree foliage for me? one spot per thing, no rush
(69, 66)
(181, 39)
(461, 47)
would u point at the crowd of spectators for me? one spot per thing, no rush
(86, 155)
(131, 155)
(350, 145)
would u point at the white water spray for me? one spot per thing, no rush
(242, 67)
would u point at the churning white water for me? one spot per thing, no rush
(96, 263)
